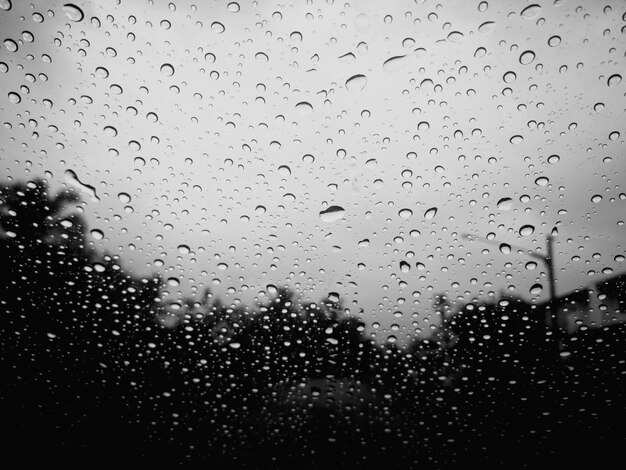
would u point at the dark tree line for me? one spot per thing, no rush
(96, 371)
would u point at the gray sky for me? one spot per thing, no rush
(230, 131)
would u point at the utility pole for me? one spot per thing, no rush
(548, 261)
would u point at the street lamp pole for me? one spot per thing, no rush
(548, 261)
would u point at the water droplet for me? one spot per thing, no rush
(261, 57)
(536, 289)
(14, 98)
(423, 126)
(234, 7)
(516, 139)
(509, 77)
(152, 117)
(505, 248)
(482, 6)
(218, 27)
(455, 36)
(526, 230)
(614, 135)
(480, 52)
(542, 181)
(614, 80)
(596, 198)
(530, 11)
(110, 131)
(531, 265)
(101, 72)
(487, 27)
(124, 197)
(97, 234)
(332, 214)
(260, 210)
(356, 82)
(72, 12)
(430, 213)
(72, 178)
(554, 41)
(11, 45)
(552, 159)
(184, 249)
(405, 213)
(284, 170)
(5, 5)
(505, 204)
(526, 57)
(308, 158)
(304, 108)
(167, 70)
(405, 267)
(598, 107)
(396, 63)
(222, 266)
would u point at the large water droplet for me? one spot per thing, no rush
(487, 27)
(526, 230)
(72, 178)
(304, 108)
(396, 63)
(505, 248)
(430, 213)
(530, 11)
(542, 181)
(356, 82)
(5, 5)
(536, 289)
(614, 80)
(526, 57)
(72, 12)
(505, 204)
(332, 214)
(167, 70)
(405, 213)
(11, 45)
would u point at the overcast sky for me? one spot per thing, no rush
(217, 136)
